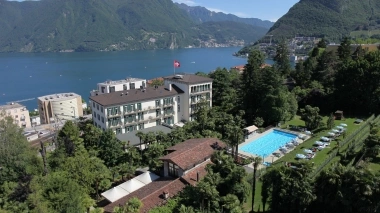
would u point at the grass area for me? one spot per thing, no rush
(258, 204)
(374, 165)
(358, 33)
(321, 155)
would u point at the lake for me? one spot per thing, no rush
(26, 76)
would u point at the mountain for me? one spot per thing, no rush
(200, 15)
(327, 18)
(104, 25)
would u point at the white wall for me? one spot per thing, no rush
(65, 107)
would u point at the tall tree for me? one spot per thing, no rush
(110, 148)
(344, 50)
(152, 155)
(330, 123)
(281, 59)
(69, 138)
(251, 80)
(256, 163)
(311, 117)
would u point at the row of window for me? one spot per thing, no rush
(98, 107)
(201, 88)
(196, 98)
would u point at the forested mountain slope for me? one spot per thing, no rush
(94, 25)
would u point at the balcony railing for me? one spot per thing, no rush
(118, 124)
(199, 92)
(114, 115)
(169, 104)
(126, 112)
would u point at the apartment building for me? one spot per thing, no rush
(135, 109)
(119, 85)
(18, 112)
(66, 106)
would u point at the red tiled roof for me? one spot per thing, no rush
(191, 176)
(151, 195)
(192, 152)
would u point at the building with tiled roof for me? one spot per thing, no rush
(127, 110)
(185, 164)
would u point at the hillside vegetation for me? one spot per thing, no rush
(327, 18)
(201, 14)
(100, 25)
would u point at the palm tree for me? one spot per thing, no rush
(256, 162)
(141, 136)
(185, 209)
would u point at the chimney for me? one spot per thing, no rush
(170, 87)
(197, 176)
(166, 195)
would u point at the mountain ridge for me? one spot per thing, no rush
(101, 25)
(201, 14)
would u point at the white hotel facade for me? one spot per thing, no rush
(135, 109)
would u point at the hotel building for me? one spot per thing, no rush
(144, 107)
(119, 85)
(66, 106)
(18, 112)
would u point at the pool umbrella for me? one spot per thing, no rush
(331, 134)
(335, 130)
(308, 132)
(318, 143)
(300, 156)
(339, 127)
(325, 139)
(343, 124)
(308, 151)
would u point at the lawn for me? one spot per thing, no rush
(321, 155)
(317, 160)
(258, 203)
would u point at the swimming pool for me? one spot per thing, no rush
(268, 143)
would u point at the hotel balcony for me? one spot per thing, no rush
(200, 92)
(118, 124)
(114, 115)
(126, 112)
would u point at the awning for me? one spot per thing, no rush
(251, 128)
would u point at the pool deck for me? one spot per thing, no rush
(270, 158)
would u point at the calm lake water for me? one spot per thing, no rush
(26, 76)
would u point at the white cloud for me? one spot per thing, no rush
(187, 2)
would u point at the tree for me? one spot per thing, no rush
(330, 123)
(281, 59)
(311, 117)
(141, 137)
(185, 209)
(152, 155)
(234, 132)
(322, 43)
(344, 50)
(132, 206)
(256, 163)
(69, 138)
(57, 192)
(110, 148)
(91, 136)
(259, 121)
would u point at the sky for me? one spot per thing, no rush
(270, 10)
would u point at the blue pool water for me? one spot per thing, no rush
(268, 143)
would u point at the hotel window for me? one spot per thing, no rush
(140, 116)
(173, 170)
(157, 103)
(93, 104)
(131, 85)
(112, 89)
(98, 117)
(158, 112)
(101, 109)
(138, 106)
(208, 96)
(102, 119)
(178, 108)
(141, 126)
(178, 99)
(158, 122)
(118, 131)
(97, 106)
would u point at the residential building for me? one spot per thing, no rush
(18, 112)
(185, 164)
(35, 120)
(136, 109)
(119, 85)
(65, 106)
